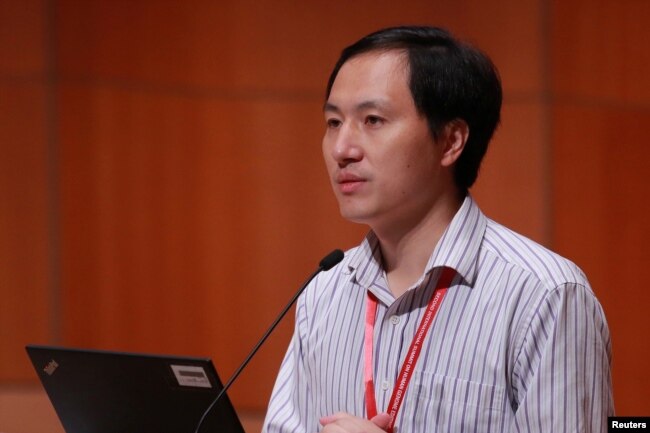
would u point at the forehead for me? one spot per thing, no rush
(391, 59)
(372, 75)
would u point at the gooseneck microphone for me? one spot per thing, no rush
(328, 262)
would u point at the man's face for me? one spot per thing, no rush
(383, 163)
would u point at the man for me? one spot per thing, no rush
(441, 320)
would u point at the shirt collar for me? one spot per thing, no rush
(459, 245)
(365, 264)
(458, 249)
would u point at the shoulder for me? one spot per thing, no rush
(550, 269)
(327, 287)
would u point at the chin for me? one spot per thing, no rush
(355, 215)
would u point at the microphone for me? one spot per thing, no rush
(327, 263)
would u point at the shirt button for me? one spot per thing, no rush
(385, 385)
(394, 320)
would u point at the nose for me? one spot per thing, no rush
(345, 146)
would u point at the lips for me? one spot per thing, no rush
(349, 182)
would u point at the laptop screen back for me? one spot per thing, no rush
(111, 392)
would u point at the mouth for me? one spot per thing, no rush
(349, 183)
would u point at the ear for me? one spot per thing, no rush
(454, 138)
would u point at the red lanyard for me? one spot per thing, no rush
(414, 350)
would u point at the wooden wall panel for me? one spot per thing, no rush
(22, 38)
(601, 92)
(24, 270)
(265, 47)
(512, 187)
(600, 215)
(25, 313)
(598, 50)
(512, 33)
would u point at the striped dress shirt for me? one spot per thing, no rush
(519, 344)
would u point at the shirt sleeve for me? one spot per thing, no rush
(289, 409)
(561, 377)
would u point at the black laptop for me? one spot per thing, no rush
(96, 391)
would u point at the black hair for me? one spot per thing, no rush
(449, 79)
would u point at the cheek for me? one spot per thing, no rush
(412, 172)
(327, 155)
(323, 147)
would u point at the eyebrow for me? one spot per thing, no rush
(365, 105)
(328, 106)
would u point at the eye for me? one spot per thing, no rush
(373, 120)
(333, 123)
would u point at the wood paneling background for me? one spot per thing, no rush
(161, 184)
(26, 217)
(601, 104)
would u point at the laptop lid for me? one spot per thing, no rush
(96, 391)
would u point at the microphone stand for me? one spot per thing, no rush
(327, 263)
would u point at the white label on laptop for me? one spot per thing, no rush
(190, 375)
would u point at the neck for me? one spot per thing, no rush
(407, 247)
